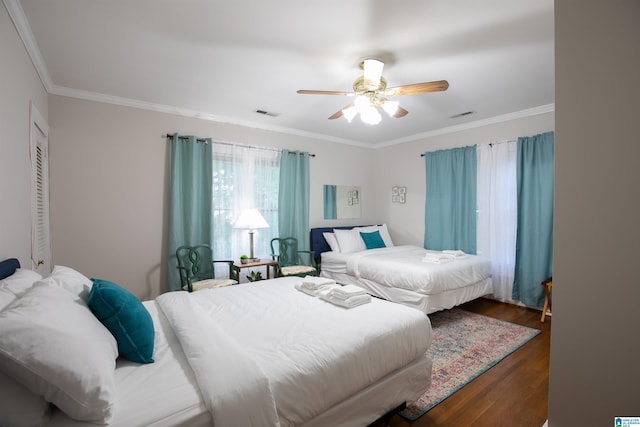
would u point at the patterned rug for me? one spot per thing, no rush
(464, 346)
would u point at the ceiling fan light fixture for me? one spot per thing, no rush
(349, 113)
(361, 102)
(370, 115)
(390, 107)
(372, 73)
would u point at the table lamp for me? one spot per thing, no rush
(250, 219)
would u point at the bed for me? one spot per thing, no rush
(260, 354)
(426, 280)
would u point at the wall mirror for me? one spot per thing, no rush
(341, 201)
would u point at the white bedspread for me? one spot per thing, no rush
(266, 354)
(229, 381)
(403, 267)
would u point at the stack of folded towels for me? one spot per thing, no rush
(311, 284)
(442, 257)
(347, 296)
(455, 253)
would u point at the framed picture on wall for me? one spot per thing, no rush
(402, 190)
(394, 191)
(401, 198)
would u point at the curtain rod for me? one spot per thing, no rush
(170, 135)
(491, 144)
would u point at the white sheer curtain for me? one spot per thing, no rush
(243, 177)
(498, 212)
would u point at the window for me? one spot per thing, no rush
(243, 177)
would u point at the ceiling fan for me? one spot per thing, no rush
(371, 92)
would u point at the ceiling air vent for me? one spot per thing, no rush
(466, 113)
(266, 113)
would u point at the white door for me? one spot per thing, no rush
(40, 232)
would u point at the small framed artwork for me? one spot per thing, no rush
(398, 194)
(356, 200)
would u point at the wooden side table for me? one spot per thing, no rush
(259, 263)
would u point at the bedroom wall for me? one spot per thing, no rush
(594, 371)
(402, 165)
(19, 85)
(109, 185)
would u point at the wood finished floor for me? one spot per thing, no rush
(512, 393)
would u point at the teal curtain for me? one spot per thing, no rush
(330, 206)
(534, 241)
(450, 210)
(190, 197)
(293, 198)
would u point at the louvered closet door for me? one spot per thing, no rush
(40, 231)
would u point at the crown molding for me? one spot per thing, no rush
(168, 109)
(16, 13)
(543, 109)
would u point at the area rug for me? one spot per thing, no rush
(464, 346)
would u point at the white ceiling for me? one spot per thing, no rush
(222, 60)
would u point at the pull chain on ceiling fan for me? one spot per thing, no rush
(371, 93)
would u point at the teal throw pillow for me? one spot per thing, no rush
(373, 240)
(124, 315)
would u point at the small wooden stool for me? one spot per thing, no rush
(548, 284)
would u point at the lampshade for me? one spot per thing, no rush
(367, 107)
(370, 115)
(390, 107)
(250, 219)
(350, 113)
(372, 72)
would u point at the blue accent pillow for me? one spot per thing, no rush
(373, 240)
(124, 315)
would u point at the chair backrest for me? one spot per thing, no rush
(195, 263)
(286, 249)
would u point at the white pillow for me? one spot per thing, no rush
(53, 345)
(71, 280)
(382, 229)
(332, 241)
(20, 407)
(20, 281)
(349, 240)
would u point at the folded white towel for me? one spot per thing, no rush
(437, 257)
(307, 291)
(346, 291)
(313, 291)
(350, 302)
(455, 253)
(314, 282)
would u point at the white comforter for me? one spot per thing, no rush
(403, 267)
(267, 354)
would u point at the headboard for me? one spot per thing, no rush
(8, 267)
(319, 244)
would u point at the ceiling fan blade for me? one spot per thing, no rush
(339, 113)
(437, 86)
(323, 92)
(401, 112)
